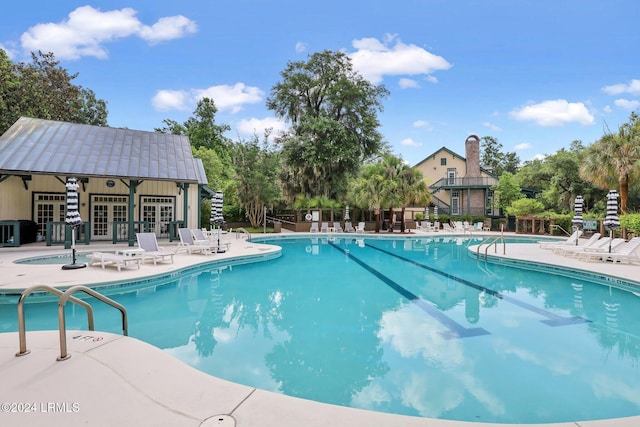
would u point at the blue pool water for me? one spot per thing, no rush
(408, 326)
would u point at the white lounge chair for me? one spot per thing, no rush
(188, 243)
(624, 253)
(627, 253)
(106, 258)
(152, 251)
(336, 227)
(596, 254)
(324, 228)
(447, 227)
(571, 240)
(314, 227)
(565, 249)
(200, 239)
(360, 228)
(348, 228)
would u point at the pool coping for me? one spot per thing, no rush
(171, 390)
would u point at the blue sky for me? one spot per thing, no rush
(536, 75)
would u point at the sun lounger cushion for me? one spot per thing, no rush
(118, 261)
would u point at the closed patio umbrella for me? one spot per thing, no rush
(577, 220)
(73, 220)
(612, 221)
(346, 213)
(435, 216)
(217, 217)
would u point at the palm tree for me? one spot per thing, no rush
(412, 190)
(614, 160)
(372, 189)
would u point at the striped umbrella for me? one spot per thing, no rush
(426, 213)
(73, 219)
(611, 221)
(577, 217)
(346, 213)
(216, 214)
(435, 216)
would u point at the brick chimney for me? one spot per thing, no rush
(472, 153)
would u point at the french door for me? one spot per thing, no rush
(108, 212)
(159, 212)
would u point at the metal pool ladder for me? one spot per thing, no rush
(64, 296)
(241, 231)
(493, 241)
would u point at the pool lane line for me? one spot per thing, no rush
(552, 318)
(455, 330)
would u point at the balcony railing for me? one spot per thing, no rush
(466, 182)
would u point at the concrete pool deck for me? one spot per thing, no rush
(116, 380)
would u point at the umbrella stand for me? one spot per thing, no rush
(73, 220)
(220, 250)
(74, 265)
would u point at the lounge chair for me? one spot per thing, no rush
(625, 252)
(336, 227)
(447, 227)
(152, 251)
(106, 258)
(571, 240)
(314, 227)
(200, 239)
(628, 253)
(324, 228)
(188, 243)
(568, 249)
(348, 228)
(596, 254)
(360, 228)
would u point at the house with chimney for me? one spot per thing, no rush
(458, 184)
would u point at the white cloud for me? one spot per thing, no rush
(253, 126)
(168, 28)
(410, 143)
(87, 29)
(406, 83)
(226, 98)
(491, 126)
(422, 124)
(539, 157)
(165, 100)
(627, 104)
(231, 98)
(523, 146)
(374, 59)
(556, 112)
(633, 87)
(301, 47)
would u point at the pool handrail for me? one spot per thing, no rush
(64, 355)
(241, 230)
(22, 334)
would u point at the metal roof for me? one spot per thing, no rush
(36, 146)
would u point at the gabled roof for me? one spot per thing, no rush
(454, 154)
(36, 146)
(436, 152)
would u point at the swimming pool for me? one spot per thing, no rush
(410, 326)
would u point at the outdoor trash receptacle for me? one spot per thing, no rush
(277, 227)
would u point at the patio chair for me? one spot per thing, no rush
(188, 243)
(627, 254)
(571, 240)
(105, 258)
(596, 254)
(624, 253)
(149, 243)
(324, 228)
(567, 249)
(360, 228)
(337, 228)
(200, 239)
(314, 227)
(348, 228)
(447, 227)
